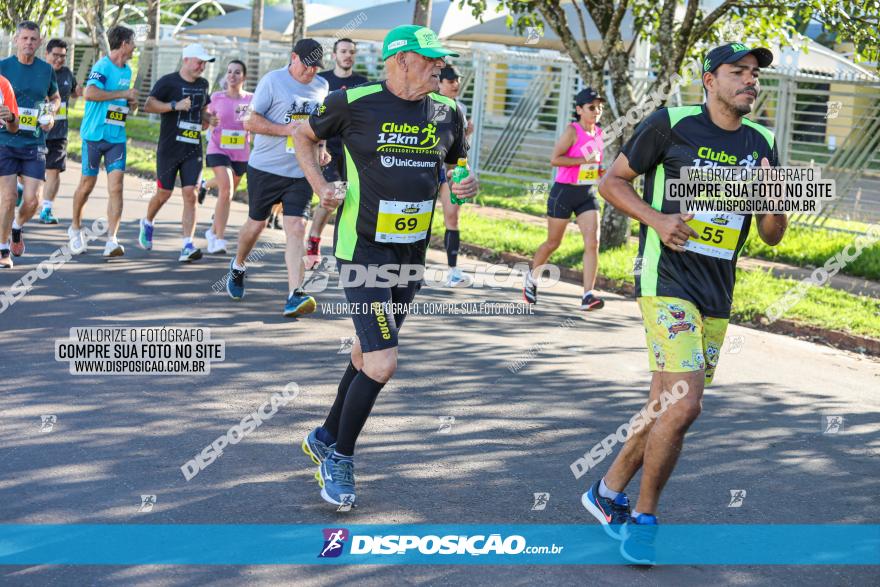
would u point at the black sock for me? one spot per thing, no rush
(359, 400)
(451, 240)
(331, 424)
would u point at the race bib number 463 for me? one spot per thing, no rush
(717, 234)
(403, 222)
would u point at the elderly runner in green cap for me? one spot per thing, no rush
(397, 135)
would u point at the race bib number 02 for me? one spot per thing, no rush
(403, 222)
(717, 234)
(232, 139)
(27, 119)
(116, 115)
(189, 132)
(588, 174)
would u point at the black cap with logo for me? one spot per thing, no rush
(586, 96)
(733, 52)
(310, 52)
(449, 73)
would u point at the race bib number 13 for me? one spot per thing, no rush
(403, 222)
(232, 139)
(717, 234)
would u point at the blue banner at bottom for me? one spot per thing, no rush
(112, 544)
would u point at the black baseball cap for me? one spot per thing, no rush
(733, 52)
(310, 52)
(449, 73)
(586, 96)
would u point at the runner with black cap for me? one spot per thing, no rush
(395, 145)
(340, 77)
(450, 86)
(182, 99)
(283, 100)
(688, 268)
(578, 156)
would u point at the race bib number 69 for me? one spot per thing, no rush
(403, 222)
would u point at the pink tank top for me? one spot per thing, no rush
(570, 174)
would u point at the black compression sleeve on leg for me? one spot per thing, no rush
(331, 424)
(359, 400)
(451, 240)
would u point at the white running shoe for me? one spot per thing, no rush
(458, 279)
(210, 237)
(77, 244)
(113, 249)
(217, 246)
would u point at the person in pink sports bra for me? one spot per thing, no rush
(228, 150)
(578, 157)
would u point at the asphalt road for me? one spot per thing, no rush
(577, 377)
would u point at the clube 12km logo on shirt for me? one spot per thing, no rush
(335, 540)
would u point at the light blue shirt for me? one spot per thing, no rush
(105, 75)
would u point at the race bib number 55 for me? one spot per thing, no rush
(717, 234)
(403, 222)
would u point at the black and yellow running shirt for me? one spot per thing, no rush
(393, 151)
(666, 141)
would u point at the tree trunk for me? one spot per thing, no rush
(98, 34)
(422, 13)
(70, 32)
(253, 58)
(299, 21)
(615, 224)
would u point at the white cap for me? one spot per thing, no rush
(197, 51)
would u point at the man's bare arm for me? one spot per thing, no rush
(307, 145)
(259, 124)
(617, 189)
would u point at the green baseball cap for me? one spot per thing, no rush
(412, 37)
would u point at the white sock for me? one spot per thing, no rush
(147, 222)
(588, 293)
(16, 225)
(237, 267)
(47, 205)
(4, 246)
(636, 514)
(605, 492)
(187, 241)
(112, 239)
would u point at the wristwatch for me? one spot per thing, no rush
(173, 105)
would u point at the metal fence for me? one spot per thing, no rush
(521, 101)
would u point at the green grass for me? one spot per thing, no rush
(803, 247)
(755, 290)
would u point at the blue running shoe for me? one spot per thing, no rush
(637, 539)
(315, 449)
(235, 282)
(189, 253)
(611, 513)
(46, 216)
(336, 478)
(145, 237)
(299, 303)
